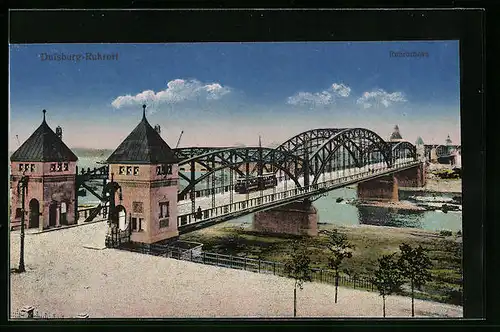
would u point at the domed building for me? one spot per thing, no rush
(420, 146)
(396, 135)
(448, 140)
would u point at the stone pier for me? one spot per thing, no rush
(297, 218)
(380, 189)
(413, 177)
(386, 188)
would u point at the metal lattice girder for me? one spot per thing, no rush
(187, 153)
(362, 146)
(404, 148)
(233, 158)
(358, 142)
(314, 137)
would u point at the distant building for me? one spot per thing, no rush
(51, 169)
(396, 135)
(420, 147)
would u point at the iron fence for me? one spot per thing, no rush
(250, 264)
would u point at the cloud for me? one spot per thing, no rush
(341, 89)
(177, 91)
(324, 97)
(379, 96)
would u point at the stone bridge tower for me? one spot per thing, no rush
(51, 168)
(147, 170)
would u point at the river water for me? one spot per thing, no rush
(345, 214)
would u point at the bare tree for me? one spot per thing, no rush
(340, 249)
(387, 277)
(297, 266)
(415, 266)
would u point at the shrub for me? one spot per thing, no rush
(445, 233)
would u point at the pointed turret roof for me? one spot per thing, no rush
(396, 134)
(448, 140)
(419, 141)
(43, 146)
(143, 146)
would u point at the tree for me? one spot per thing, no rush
(297, 266)
(387, 277)
(340, 248)
(415, 266)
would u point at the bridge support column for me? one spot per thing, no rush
(297, 218)
(380, 189)
(413, 177)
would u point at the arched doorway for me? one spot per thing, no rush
(63, 218)
(122, 217)
(34, 216)
(52, 214)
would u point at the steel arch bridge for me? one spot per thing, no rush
(307, 165)
(303, 163)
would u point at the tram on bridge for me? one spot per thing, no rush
(252, 183)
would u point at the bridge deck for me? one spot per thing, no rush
(284, 193)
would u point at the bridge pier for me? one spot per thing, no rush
(386, 188)
(412, 177)
(297, 218)
(380, 189)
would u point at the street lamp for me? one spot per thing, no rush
(22, 188)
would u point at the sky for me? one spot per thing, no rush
(226, 94)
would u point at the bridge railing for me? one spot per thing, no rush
(206, 192)
(84, 213)
(269, 199)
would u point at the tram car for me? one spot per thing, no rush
(244, 185)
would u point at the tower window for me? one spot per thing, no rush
(59, 167)
(140, 225)
(21, 167)
(26, 167)
(136, 170)
(129, 170)
(32, 167)
(65, 166)
(18, 213)
(163, 169)
(137, 207)
(121, 170)
(164, 213)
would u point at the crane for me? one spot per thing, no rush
(179, 140)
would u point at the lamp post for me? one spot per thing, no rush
(22, 187)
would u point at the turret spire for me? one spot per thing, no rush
(44, 111)
(144, 111)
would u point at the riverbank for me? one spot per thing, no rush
(437, 185)
(395, 205)
(370, 242)
(119, 284)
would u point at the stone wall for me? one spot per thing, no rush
(45, 187)
(298, 218)
(141, 195)
(381, 189)
(413, 177)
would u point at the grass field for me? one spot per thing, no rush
(370, 243)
